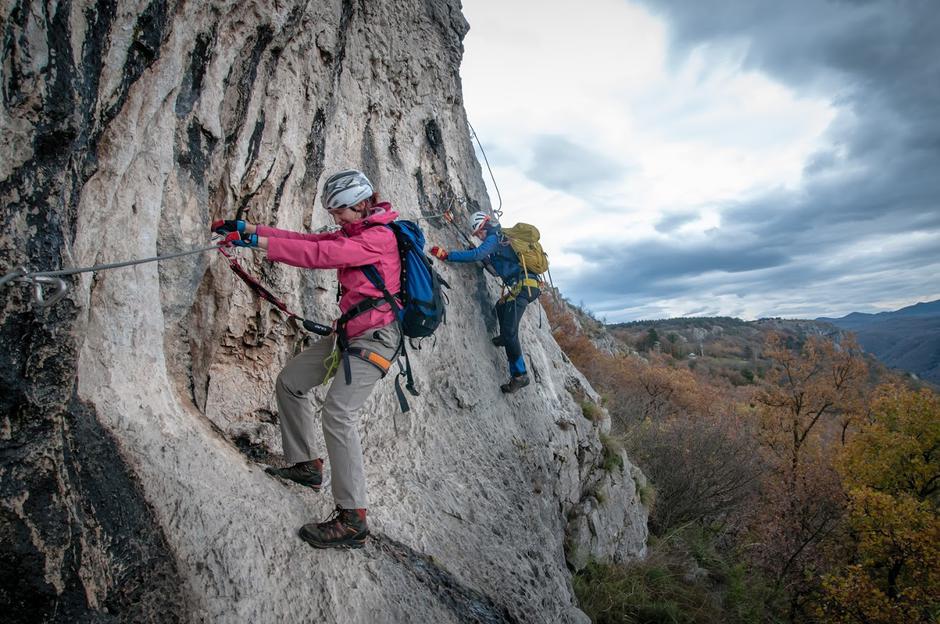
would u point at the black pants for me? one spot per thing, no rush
(509, 313)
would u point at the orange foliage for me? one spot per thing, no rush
(687, 435)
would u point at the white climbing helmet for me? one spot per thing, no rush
(477, 221)
(346, 189)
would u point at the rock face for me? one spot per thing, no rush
(136, 410)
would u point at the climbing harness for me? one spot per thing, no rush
(344, 351)
(264, 293)
(371, 357)
(511, 292)
(39, 279)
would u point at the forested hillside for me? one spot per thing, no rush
(722, 347)
(792, 478)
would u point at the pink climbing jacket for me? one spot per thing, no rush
(355, 245)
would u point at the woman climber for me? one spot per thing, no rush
(368, 339)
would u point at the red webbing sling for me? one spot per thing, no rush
(264, 293)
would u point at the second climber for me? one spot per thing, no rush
(522, 289)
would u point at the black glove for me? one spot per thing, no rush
(226, 226)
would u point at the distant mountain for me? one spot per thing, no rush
(928, 310)
(908, 338)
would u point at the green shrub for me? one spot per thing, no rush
(647, 494)
(663, 590)
(611, 448)
(591, 410)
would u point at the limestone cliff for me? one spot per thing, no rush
(137, 411)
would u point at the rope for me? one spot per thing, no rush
(25, 277)
(54, 278)
(39, 279)
(499, 211)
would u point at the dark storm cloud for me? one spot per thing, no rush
(559, 163)
(879, 63)
(653, 260)
(788, 271)
(674, 222)
(662, 269)
(874, 45)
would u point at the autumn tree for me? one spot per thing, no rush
(810, 391)
(688, 436)
(705, 468)
(891, 471)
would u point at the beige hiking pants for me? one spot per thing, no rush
(339, 413)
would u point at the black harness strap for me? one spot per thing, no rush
(372, 358)
(371, 303)
(383, 365)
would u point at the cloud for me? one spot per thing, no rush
(879, 176)
(654, 261)
(751, 278)
(879, 60)
(783, 160)
(561, 164)
(674, 222)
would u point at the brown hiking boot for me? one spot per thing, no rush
(345, 528)
(516, 383)
(308, 473)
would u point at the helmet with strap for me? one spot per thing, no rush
(478, 221)
(346, 189)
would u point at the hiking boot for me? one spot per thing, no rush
(345, 528)
(516, 383)
(498, 341)
(308, 473)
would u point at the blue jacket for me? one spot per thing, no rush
(495, 251)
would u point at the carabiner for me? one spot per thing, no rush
(40, 298)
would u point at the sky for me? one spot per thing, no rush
(747, 158)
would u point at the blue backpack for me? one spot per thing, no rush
(419, 306)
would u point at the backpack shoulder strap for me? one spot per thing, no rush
(372, 274)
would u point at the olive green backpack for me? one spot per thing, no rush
(524, 239)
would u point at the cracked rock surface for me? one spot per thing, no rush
(138, 411)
